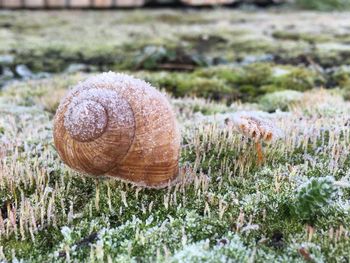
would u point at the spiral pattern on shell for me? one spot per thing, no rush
(116, 125)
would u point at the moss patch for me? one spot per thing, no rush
(229, 207)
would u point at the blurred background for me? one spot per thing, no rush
(313, 4)
(217, 49)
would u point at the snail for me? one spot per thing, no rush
(118, 126)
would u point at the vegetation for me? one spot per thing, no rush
(292, 207)
(313, 197)
(227, 204)
(324, 5)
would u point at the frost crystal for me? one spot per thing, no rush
(86, 120)
(99, 102)
(66, 232)
(254, 127)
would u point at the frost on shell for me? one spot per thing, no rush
(255, 127)
(86, 120)
(90, 111)
(99, 100)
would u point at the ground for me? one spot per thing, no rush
(289, 68)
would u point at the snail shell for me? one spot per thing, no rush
(116, 125)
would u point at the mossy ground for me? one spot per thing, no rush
(227, 207)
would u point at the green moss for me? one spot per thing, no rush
(324, 5)
(331, 58)
(315, 197)
(225, 83)
(223, 212)
(257, 74)
(299, 79)
(341, 77)
(255, 46)
(184, 84)
(280, 100)
(298, 36)
(257, 79)
(22, 248)
(58, 58)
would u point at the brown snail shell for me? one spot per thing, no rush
(116, 125)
